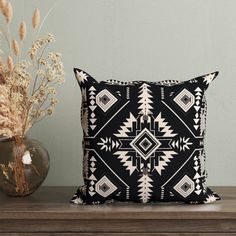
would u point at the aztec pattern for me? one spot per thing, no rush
(144, 141)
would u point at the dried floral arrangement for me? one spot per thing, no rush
(27, 95)
(27, 86)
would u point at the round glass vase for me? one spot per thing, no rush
(24, 165)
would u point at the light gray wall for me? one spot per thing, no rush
(147, 40)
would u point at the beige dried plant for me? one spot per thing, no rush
(1, 63)
(27, 86)
(22, 31)
(10, 118)
(15, 47)
(36, 19)
(2, 5)
(8, 12)
(10, 63)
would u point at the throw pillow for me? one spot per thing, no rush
(144, 141)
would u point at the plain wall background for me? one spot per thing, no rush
(146, 40)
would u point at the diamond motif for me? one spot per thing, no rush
(145, 144)
(105, 187)
(105, 100)
(185, 99)
(185, 186)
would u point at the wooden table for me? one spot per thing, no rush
(47, 212)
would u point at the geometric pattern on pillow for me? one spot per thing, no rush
(144, 141)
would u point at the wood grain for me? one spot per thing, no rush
(48, 212)
(118, 234)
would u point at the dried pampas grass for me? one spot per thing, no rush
(10, 63)
(15, 47)
(8, 12)
(2, 5)
(1, 63)
(22, 30)
(36, 19)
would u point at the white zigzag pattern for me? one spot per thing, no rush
(164, 127)
(124, 129)
(145, 100)
(166, 158)
(145, 191)
(126, 163)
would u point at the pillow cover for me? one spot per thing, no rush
(143, 141)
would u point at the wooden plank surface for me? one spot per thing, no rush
(117, 234)
(121, 226)
(52, 203)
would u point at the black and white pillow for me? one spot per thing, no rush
(144, 141)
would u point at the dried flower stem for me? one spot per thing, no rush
(8, 34)
(38, 67)
(25, 120)
(45, 17)
(19, 150)
(6, 38)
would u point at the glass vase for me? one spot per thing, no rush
(24, 165)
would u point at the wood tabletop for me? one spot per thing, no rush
(53, 203)
(48, 212)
